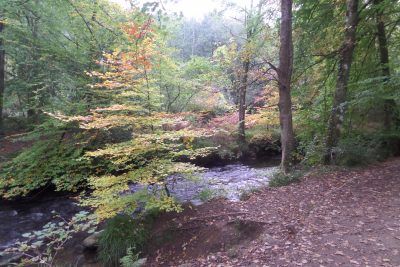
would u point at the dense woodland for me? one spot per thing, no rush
(95, 98)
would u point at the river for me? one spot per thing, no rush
(229, 181)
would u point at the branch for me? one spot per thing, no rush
(397, 22)
(324, 57)
(272, 66)
(85, 21)
(105, 27)
(364, 6)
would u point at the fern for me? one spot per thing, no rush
(130, 259)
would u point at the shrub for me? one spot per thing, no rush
(130, 260)
(46, 162)
(121, 234)
(280, 179)
(312, 150)
(361, 150)
(207, 194)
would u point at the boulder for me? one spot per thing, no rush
(92, 241)
(140, 262)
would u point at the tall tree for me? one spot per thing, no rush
(2, 76)
(345, 60)
(253, 41)
(243, 89)
(284, 78)
(50, 45)
(384, 60)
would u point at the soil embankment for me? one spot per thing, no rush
(341, 218)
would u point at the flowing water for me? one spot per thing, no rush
(229, 181)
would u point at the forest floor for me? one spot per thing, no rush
(339, 218)
(9, 148)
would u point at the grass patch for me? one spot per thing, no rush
(246, 194)
(207, 194)
(121, 234)
(279, 179)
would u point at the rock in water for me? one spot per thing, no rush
(140, 262)
(37, 216)
(10, 213)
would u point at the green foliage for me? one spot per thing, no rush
(363, 150)
(317, 47)
(261, 135)
(53, 161)
(91, 82)
(246, 194)
(147, 160)
(41, 247)
(130, 259)
(207, 194)
(279, 179)
(122, 234)
(50, 45)
(143, 162)
(224, 141)
(57, 156)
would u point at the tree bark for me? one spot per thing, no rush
(284, 78)
(2, 77)
(244, 76)
(33, 98)
(242, 102)
(389, 105)
(346, 57)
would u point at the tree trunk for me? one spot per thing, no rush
(284, 78)
(346, 57)
(242, 102)
(35, 97)
(2, 77)
(390, 104)
(193, 40)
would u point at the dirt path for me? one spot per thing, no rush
(345, 218)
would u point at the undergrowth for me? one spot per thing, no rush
(362, 150)
(207, 194)
(280, 179)
(130, 259)
(122, 235)
(51, 161)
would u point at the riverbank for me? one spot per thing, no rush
(331, 218)
(229, 181)
(336, 218)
